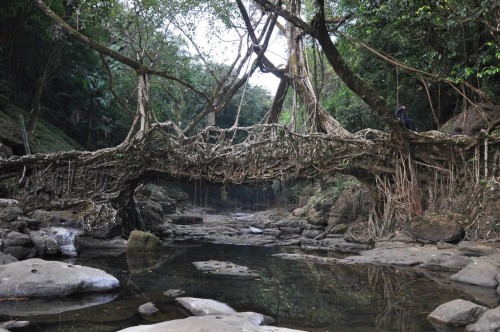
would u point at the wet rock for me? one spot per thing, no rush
(317, 218)
(274, 232)
(309, 258)
(445, 245)
(204, 307)
(174, 292)
(352, 205)
(225, 268)
(457, 312)
(290, 230)
(148, 309)
(287, 242)
(311, 233)
(339, 229)
(140, 243)
(447, 262)
(39, 278)
(488, 322)
(478, 273)
(435, 227)
(469, 248)
(402, 237)
(405, 256)
(486, 296)
(65, 238)
(55, 218)
(9, 213)
(337, 244)
(341, 245)
(156, 195)
(44, 244)
(16, 244)
(211, 323)
(151, 212)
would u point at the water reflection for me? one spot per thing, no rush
(301, 295)
(53, 306)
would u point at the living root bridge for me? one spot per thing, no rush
(399, 167)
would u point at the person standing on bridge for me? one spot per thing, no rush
(403, 119)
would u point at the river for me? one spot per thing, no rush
(300, 295)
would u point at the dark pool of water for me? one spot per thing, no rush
(299, 295)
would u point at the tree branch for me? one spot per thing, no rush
(137, 66)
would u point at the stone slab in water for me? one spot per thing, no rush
(38, 278)
(225, 268)
(212, 323)
(203, 307)
(478, 273)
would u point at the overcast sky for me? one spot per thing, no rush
(224, 47)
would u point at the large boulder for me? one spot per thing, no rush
(141, 243)
(457, 312)
(38, 278)
(435, 228)
(352, 206)
(472, 120)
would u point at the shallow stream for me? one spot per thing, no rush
(301, 295)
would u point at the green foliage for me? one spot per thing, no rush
(454, 39)
(50, 138)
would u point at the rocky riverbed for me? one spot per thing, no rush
(431, 247)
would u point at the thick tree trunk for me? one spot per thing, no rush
(353, 81)
(279, 99)
(318, 119)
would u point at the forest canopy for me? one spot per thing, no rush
(420, 53)
(137, 78)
